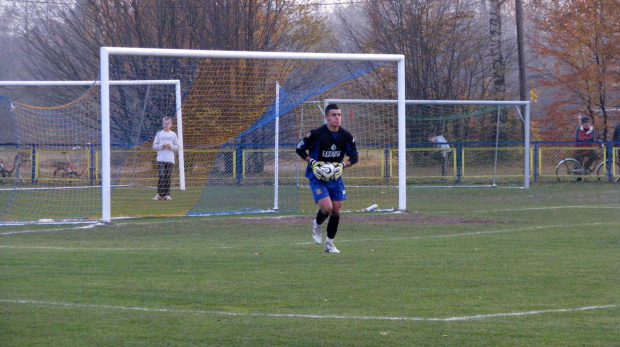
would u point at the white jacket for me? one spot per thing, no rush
(165, 155)
(442, 143)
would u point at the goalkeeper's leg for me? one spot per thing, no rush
(332, 227)
(321, 216)
(334, 220)
(320, 193)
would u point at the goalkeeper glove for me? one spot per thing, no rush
(338, 167)
(316, 168)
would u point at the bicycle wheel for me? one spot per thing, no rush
(569, 169)
(601, 172)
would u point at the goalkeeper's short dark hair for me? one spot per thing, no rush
(331, 107)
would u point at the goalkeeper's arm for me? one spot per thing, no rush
(346, 163)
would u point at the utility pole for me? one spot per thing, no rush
(521, 51)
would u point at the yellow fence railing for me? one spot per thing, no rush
(380, 166)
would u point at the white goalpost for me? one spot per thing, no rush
(89, 156)
(234, 158)
(178, 102)
(57, 152)
(506, 141)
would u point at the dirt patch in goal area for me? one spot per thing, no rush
(378, 218)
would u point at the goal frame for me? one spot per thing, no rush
(106, 52)
(525, 118)
(178, 106)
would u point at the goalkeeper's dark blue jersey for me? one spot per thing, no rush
(323, 145)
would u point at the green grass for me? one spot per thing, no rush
(463, 267)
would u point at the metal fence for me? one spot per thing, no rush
(461, 164)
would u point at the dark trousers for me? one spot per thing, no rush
(444, 160)
(165, 172)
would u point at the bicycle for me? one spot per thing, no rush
(570, 169)
(5, 173)
(65, 171)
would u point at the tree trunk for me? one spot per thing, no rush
(499, 66)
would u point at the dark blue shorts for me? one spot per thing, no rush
(333, 189)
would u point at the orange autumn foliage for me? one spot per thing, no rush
(579, 42)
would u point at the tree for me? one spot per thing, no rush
(579, 41)
(497, 56)
(448, 49)
(66, 47)
(442, 42)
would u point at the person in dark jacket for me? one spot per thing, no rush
(616, 137)
(585, 136)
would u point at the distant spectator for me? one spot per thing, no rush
(616, 137)
(166, 142)
(442, 156)
(585, 136)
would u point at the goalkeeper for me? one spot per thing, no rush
(328, 143)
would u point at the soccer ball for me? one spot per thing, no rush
(326, 171)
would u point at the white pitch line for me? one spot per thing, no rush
(88, 226)
(528, 313)
(87, 249)
(313, 316)
(476, 233)
(294, 216)
(613, 207)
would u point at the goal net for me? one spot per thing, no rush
(486, 142)
(55, 157)
(240, 115)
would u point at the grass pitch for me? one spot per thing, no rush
(463, 267)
